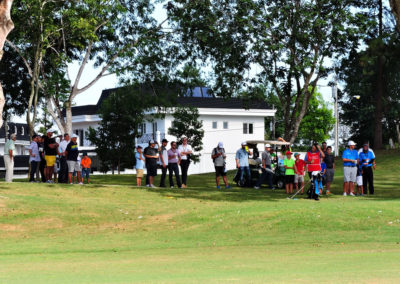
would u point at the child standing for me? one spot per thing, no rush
(289, 165)
(300, 166)
(139, 165)
(360, 185)
(323, 175)
(86, 163)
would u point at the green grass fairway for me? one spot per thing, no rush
(114, 232)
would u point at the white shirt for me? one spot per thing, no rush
(186, 148)
(63, 146)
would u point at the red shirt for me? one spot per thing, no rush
(300, 166)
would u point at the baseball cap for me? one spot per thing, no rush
(139, 147)
(51, 130)
(152, 142)
(164, 140)
(352, 143)
(221, 145)
(288, 153)
(267, 145)
(74, 136)
(244, 144)
(295, 154)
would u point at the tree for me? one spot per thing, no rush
(289, 41)
(6, 26)
(186, 123)
(395, 5)
(121, 114)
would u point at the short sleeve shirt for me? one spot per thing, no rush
(243, 157)
(351, 155)
(164, 154)
(139, 162)
(289, 163)
(47, 150)
(366, 159)
(175, 154)
(220, 160)
(329, 160)
(151, 152)
(73, 151)
(9, 146)
(266, 157)
(323, 168)
(300, 166)
(186, 148)
(35, 150)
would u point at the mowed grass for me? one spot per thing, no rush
(114, 232)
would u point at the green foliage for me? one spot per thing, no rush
(186, 123)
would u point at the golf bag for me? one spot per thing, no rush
(316, 186)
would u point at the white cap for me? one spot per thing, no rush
(244, 143)
(51, 130)
(352, 143)
(267, 146)
(184, 137)
(74, 136)
(221, 145)
(152, 142)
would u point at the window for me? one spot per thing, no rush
(214, 125)
(154, 127)
(142, 128)
(22, 130)
(248, 128)
(225, 125)
(80, 134)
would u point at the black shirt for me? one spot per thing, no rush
(73, 151)
(151, 152)
(47, 150)
(329, 160)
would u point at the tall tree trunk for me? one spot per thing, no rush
(379, 89)
(398, 133)
(6, 26)
(395, 5)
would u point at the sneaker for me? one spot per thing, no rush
(71, 183)
(228, 187)
(148, 185)
(152, 186)
(218, 187)
(172, 186)
(81, 183)
(352, 194)
(256, 187)
(344, 194)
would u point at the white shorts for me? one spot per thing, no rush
(298, 178)
(359, 180)
(73, 166)
(350, 174)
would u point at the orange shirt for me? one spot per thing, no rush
(86, 162)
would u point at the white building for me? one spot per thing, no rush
(229, 121)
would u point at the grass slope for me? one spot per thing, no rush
(113, 232)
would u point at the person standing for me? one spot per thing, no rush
(50, 155)
(289, 165)
(34, 157)
(299, 170)
(63, 173)
(9, 154)
(139, 165)
(164, 161)
(42, 164)
(266, 168)
(329, 161)
(350, 161)
(174, 159)
(313, 159)
(218, 155)
(242, 163)
(185, 150)
(324, 147)
(72, 153)
(367, 162)
(151, 155)
(86, 163)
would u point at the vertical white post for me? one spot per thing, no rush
(158, 135)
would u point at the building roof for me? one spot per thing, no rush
(199, 97)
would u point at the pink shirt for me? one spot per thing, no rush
(174, 153)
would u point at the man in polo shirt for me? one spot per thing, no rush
(151, 155)
(163, 161)
(266, 168)
(367, 161)
(34, 157)
(218, 155)
(9, 153)
(242, 163)
(350, 161)
(174, 159)
(50, 154)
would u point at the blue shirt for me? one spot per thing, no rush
(323, 168)
(351, 155)
(243, 157)
(139, 162)
(365, 159)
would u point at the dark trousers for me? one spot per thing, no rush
(174, 169)
(368, 180)
(63, 174)
(32, 174)
(42, 166)
(163, 175)
(265, 175)
(184, 169)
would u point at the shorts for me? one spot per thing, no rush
(298, 178)
(350, 174)
(50, 160)
(359, 180)
(86, 172)
(151, 170)
(330, 173)
(220, 171)
(73, 166)
(139, 173)
(289, 179)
